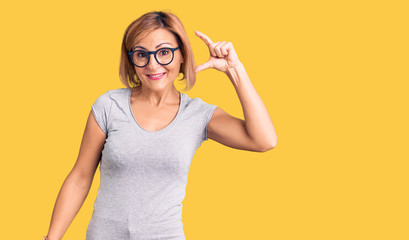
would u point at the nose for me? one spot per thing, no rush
(153, 64)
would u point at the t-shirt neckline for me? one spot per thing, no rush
(160, 131)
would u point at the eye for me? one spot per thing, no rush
(164, 52)
(140, 54)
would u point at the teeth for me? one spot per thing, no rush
(157, 75)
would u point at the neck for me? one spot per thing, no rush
(157, 98)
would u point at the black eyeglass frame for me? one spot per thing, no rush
(130, 53)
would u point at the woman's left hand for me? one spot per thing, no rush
(222, 55)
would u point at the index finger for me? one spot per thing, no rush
(205, 38)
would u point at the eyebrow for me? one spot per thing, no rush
(156, 46)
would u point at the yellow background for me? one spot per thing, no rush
(334, 78)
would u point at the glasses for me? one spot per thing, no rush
(163, 56)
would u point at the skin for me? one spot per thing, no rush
(157, 99)
(256, 132)
(159, 103)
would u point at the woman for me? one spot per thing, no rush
(145, 135)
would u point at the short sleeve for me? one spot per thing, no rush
(100, 109)
(210, 108)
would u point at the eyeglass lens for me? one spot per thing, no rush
(163, 56)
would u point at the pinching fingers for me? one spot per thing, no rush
(218, 49)
(205, 38)
(224, 48)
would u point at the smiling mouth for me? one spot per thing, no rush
(155, 75)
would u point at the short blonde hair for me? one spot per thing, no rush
(138, 29)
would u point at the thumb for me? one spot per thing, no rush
(202, 67)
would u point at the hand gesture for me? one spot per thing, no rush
(222, 55)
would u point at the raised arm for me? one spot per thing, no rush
(78, 182)
(256, 132)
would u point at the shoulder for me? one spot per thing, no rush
(113, 94)
(106, 99)
(197, 104)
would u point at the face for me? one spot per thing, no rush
(155, 40)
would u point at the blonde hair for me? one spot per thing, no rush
(138, 29)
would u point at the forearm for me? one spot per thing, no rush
(69, 201)
(258, 122)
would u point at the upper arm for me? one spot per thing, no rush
(230, 131)
(90, 151)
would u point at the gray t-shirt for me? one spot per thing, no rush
(144, 173)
